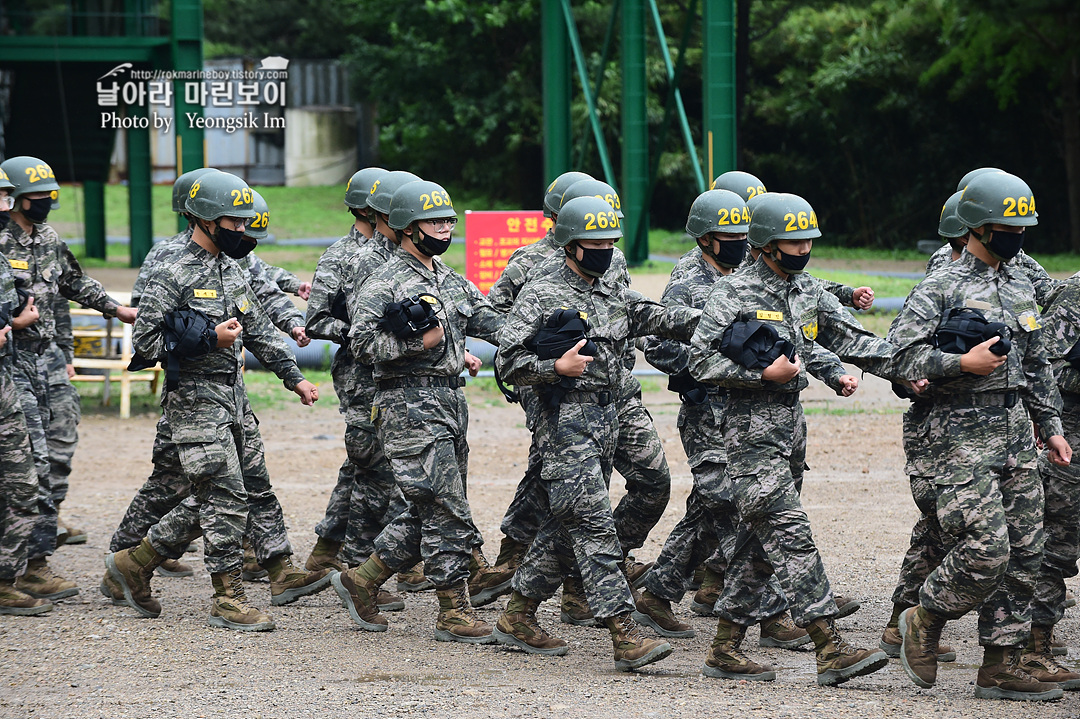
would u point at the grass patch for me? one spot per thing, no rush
(846, 411)
(883, 286)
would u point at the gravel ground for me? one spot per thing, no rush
(90, 659)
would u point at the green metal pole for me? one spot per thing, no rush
(718, 76)
(598, 85)
(139, 197)
(556, 72)
(583, 75)
(635, 133)
(187, 51)
(94, 213)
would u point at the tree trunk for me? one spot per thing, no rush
(1070, 121)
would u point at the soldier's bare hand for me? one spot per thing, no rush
(472, 363)
(571, 364)
(300, 335)
(1060, 451)
(70, 370)
(980, 360)
(127, 314)
(782, 370)
(862, 298)
(918, 386)
(304, 291)
(848, 385)
(227, 332)
(4, 335)
(433, 337)
(309, 393)
(27, 317)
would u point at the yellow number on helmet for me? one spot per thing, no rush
(374, 187)
(194, 190)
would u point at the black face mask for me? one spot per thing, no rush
(594, 263)
(5, 216)
(431, 246)
(731, 253)
(38, 210)
(232, 242)
(1004, 246)
(791, 264)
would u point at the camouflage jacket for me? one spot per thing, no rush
(802, 311)
(333, 276)
(161, 249)
(44, 266)
(9, 299)
(840, 291)
(505, 290)
(1043, 283)
(65, 338)
(615, 314)
(461, 310)
(1061, 332)
(285, 280)
(282, 312)
(1003, 295)
(217, 286)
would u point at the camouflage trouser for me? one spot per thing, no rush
(529, 506)
(65, 413)
(18, 479)
(577, 447)
(423, 434)
(764, 458)
(32, 382)
(221, 453)
(336, 518)
(990, 502)
(1061, 524)
(374, 498)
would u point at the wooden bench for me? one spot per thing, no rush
(109, 348)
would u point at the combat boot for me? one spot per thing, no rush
(111, 590)
(131, 569)
(705, 598)
(486, 583)
(696, 579)
(1000, 677)
(66, 534)
(41, 582)
(655, 613)
(633, 649)
(920, 632)
(517, 627)
(1038, 661)
(1057, 648)
(574, 608)
(726, 660)
(324, 555)
(635, 571)
(252, 570)
(389, 602)
(510, 554)
(782, 633)
(838, 661)
(845, 606)
(230, 609)
(288, 582)
(891, 639)
(12, 601)
(359, 590)
(413, 580)
(175, 568)
(457, 620)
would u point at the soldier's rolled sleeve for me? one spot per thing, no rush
(75, 285)
(707, 363)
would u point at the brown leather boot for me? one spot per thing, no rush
(175, 568)
(1000, 677)
(1037, 659)
(891, 640)
(229, 608)
(655, 612)
(705, 598)
(359, 590)
(517, 627)
(726, 660)
(486, 583)
(41, 582)
(845, 606)
(132, 569)
(324, 556)
(111, 590)
(633, 649)
(635, 571)
(413, 580)
(510, 554)
(838, 661)
(67, 534)
(252, 570)
(1057, 648)
(920, 632)
(697, 578)
(12, 601)
(457, 620)
(781, 632)
(389, 602)
(574, 608)
(288, 582)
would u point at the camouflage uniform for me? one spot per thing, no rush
(577, 441)
(64, 408)
(365, 491)
(1061, 485)
(761, 425)
(421, 413)
(988, 500)
(208, 417)
(285, 280)
(154, 257)
(1044, 284)
(43, 265)
(18, 476)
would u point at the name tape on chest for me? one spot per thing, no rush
(19, 264)
(205, 294)
(770, 315)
